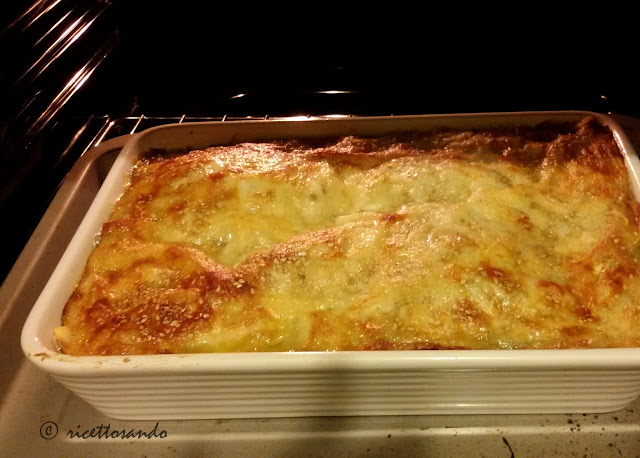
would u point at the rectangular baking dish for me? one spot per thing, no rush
(253, 385)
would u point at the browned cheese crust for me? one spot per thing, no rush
(507, 238)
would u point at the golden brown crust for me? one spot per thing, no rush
(508, 238)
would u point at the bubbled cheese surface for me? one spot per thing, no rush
(520, 238)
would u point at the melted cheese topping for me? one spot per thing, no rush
(521, 238)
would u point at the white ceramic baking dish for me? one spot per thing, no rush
(317, 383)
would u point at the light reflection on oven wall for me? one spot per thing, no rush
(53, 48)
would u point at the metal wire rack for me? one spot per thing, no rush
(113, 127)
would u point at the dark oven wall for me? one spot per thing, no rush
(74, 70)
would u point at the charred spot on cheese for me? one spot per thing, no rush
(520, 237)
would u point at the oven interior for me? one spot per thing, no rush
(79, 73)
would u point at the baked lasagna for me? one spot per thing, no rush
(514, 238)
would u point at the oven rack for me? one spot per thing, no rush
(112, 127)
